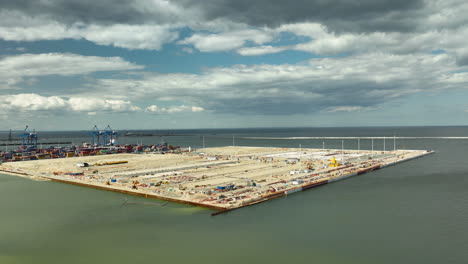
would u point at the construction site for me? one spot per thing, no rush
(222, 178)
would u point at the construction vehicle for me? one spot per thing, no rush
(334, 163)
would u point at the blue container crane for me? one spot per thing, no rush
(29, 138)
(110, 136)
(107, 137)
(96, 136)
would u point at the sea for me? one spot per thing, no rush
(414, 212)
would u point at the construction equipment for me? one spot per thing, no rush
(334, 163)
(110, 163)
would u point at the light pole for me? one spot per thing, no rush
(342, 151)
(384, 144)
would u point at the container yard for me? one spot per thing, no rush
(102, 142)
(25, 153)
(223, 178)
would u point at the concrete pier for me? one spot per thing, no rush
(222, 179)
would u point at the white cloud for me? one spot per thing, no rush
(437, 38)
(228, 40)
(346, 109)
(152, 108)
(174, 109)
(459, 78)
(376, 66)
(442, 35)
(80, 104)
(396, 43)
(364, 80)
(197, 109)
(150, 37)
(446, 14)
(149, 24)
(62, 64)
(323, 42)
(35, 102)
(260, 50)
(32, 102)
(16, 26)
(313, 30)
(14, 68)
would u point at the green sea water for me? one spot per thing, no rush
(414, 212)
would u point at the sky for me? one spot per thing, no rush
(161, 64)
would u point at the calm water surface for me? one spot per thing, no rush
(415, 212)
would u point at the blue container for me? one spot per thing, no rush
(113, 180)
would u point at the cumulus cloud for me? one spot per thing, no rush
(326, 43)
(346, 109)
(62, 64)
(341, 15)
(31, 102)
(100, 12)
(363, 15)
(336, 27)
(174, 109)
(24, 103)
(35, 102)
(18, 26)
(14, 68)
(396, 43)
(361, 81)
(80, 104)
(261, 50)
(371, 51)
(227, 40)
(150, 37)
(145, 36)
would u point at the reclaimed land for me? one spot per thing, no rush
(223, 178)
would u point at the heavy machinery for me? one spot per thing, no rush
(334, 163)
